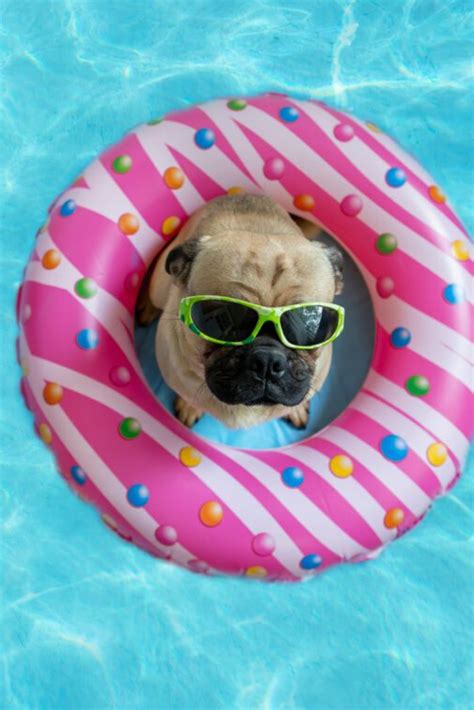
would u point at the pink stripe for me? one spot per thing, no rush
(372, 432)
(57, 306)
(326, 498)
(447, 395)
(306, 541)
(178, 494)
(57, 348)
(383, 495)
(201, 181)
(84, 238)
(196, 118)
(423, 425)
(394, 160)
(315, 137)
(360, 240)
(88, 491)
(143, 184)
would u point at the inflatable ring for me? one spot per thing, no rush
(340, 495)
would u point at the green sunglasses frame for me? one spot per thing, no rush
(266, 314)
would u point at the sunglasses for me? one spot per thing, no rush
(231, 321)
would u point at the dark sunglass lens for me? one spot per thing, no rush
(224, 320)
(309, 325)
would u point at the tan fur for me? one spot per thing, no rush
(249, 248)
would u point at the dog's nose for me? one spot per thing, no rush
(267, 363)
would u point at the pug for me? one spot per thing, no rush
(243, 247)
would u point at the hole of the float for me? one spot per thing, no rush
(352, 355)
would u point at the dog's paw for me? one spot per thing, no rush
(298, 416)
(187, 414)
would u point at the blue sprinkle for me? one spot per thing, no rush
(67, 208)
(292, 477)
(87, 339)
(204, 138)
(289, 114)
(453, 294)
(78, 475)
(400, 337)
(393, 447)
(395, 177)
(138, 495)
(311, 562)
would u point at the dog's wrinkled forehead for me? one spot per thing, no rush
(269, 270)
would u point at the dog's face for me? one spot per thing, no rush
(266, 270)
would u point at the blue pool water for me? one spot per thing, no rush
(89, 622)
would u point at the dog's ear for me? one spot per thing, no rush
(336, 257)
(180, 260)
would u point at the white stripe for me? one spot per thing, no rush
(307, 513)
(433, 340)
(105, 197)
(348, 488)
(313, 165)
(445, 431)
(387, 142)
(248, 155)
(99, 473)
(375, 168)
(249, 510)
(416, 437)
(154, 143)
(213, 162)
(100, 306)
(65, 276)
(391, 476)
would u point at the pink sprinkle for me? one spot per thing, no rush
(351, 205)
(343, 132)
(120, 376)
(263, 544)
(198, 566)
(385, 286)
(274, 168)
(166, 534)
(132, 281)
(26, 315)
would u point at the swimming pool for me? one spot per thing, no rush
(93, 623)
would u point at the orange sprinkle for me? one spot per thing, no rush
(52, 393)
(393, 518)
(211, 513)
(304, 202)
(128, 223)
(51, 259)
(436, 194)
(173, 178)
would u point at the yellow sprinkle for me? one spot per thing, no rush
(437, 454)
(341, 466)
(45, 433)
(189, 456)
(459, 250)
(170, 225)
(256, 571)
(109, 521)
(372, 127)
(235, 190)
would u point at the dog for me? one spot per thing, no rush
(246, 247)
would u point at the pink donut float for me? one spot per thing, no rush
(287, 513)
